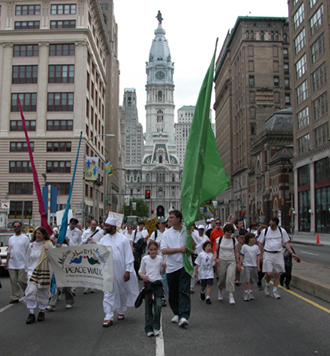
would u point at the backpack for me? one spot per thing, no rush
(140, 245)
(267, 231)
(233, 238)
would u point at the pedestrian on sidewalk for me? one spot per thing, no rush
(287, 275)
(270, 243)
(152, 266)
(260, 273)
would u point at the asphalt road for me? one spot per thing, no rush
(313, 253)
(265, 326)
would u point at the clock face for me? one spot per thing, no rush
(160, 75)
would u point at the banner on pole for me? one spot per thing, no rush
(92, 164)
(88, 266)
(127, 200)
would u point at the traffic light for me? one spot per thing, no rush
(282, 201)
(147, 194)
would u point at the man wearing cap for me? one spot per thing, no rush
(210, 227)
(125, 285)
(203, 238)
(73, 234)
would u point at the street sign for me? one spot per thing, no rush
(107, 198)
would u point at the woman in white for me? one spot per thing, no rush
(227, 257)
(38, 274)
(129, 234)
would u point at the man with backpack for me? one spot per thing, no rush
(139, 245)
(270, 243)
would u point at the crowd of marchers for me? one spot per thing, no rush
(160, 260)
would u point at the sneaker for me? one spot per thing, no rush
(287, 287)
(267, 292)
(156, 332)
(231, 299)
(86, 290)
(41, 316)
(150, 333)
(246, 297)
(183, 322)
(202, 296)
(208, 301)
(50, 308)
(30, 319)
(175, 319)
(163, 303)
(259, 286)
(251, 297)
(69, 306)
(220, 295)
(92, 290)
(275, 295)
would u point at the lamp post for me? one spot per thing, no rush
(84, 175)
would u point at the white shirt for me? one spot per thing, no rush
(74, 236)
(174, 239)
(152, 267)
(274, 239)
(137, 235)
(205, 263)
(88, 233)
(250, 254)
(17, 246)
(129, 236)
(199, 246)
(227, 252)
(33, 255)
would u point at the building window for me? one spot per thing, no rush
(299, 16)
(276, 82)
(285, 53)
(60, 102)
(27, 25)
(304, 208)
(20, 167)
(251, 81)
(286, 68)
(160, 95)
(20, 188)
(300, 41)
(63, 188)
(28, 101)
(63, 9)
(58, 146)
(303, 176)
(262, 35)
(321, 135)
(16, 208)
(302, 92)
(26, 51)
(160, 116)
(27, 10)
(60, 24)
(59, 125)
(322, 206)
(320, 106)
(287, 83)
(16, 125)
(312, 3)
(62, 49)
(303, 144)
(303, 118)
(58, 167)
(25, 74)
(317, 20)
(318, 48)
(319, 77)
(285, 38)
(20, 146)
(61, 74)
(322, 170)
(287, 98)
(253, 129)
(301, 66)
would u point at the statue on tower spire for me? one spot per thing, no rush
(159, 17)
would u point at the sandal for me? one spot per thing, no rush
(120, 317)
(107, 323)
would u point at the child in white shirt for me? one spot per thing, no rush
(204, 269)
(250, 256)
(151, 267)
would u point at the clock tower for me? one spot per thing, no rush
(160, 89)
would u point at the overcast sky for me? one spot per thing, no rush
(191, 31)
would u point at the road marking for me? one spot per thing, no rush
(309, 253)
(306, 300)
(5, 308)
(160, 351)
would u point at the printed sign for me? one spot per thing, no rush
(119, 218)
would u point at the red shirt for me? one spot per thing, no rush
(214, 235)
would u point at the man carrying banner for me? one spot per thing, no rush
(125, 285)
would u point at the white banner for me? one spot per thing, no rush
(119, 218)
(89, 266)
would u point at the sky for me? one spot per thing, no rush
(192, 28)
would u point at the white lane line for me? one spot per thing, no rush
(160, 351)
(5, 308)
(309, 253)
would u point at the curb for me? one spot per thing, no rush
(307, 243)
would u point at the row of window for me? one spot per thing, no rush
(315, 21)
(52, 125)
(56, 9)
(54, 50)
(35, 25)
(51, 167)
(321, 137)
(276, 82)
(51, 146)
(27, 188)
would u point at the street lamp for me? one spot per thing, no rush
(84, 175)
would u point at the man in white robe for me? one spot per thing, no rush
(125, 284)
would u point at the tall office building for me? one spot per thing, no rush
(252, 81)
(310, 65)
(55, 57)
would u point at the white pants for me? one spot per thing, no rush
(108, 306)
(36, 297)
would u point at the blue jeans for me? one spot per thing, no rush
(152, 320)
(179, 292)
(165, 285)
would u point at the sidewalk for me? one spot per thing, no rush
(308, 240)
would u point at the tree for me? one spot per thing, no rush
(142, 209)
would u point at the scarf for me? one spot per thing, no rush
(41, 276)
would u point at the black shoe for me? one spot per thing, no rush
(13, 301)
(163, 303)
(41, 316)
(281, 282)
(202, 296)
(287, 287)
(208, 301)
(31, 319)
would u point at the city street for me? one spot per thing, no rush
(313, 253)
(297, 324)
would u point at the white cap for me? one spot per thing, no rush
(111, 221)
(212, 219)
(208, 220)
(201, 227)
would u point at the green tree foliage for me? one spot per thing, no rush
(142, 209)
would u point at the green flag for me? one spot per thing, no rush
(203, 175)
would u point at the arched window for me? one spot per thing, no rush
(160, 116)
(160, 159)
(160, 95)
